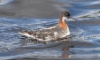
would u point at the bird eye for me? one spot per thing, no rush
(66, 14)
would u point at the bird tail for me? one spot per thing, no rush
(26, 33)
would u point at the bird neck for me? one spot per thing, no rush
(63, 23)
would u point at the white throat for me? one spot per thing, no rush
(64, 18)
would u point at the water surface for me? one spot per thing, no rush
(17, 15)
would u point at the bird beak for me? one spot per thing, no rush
(74, 19)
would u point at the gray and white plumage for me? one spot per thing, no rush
(58, 31)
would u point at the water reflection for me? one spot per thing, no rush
(88, 45)
(85, 36)
(65, 52)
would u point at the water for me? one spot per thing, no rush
(83, 44)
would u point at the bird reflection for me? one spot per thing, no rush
(66, 52)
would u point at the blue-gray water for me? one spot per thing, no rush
(17, 15)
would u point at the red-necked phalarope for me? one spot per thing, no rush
(58, 31)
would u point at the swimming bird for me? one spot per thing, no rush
(55, 32)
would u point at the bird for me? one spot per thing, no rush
(54, 32)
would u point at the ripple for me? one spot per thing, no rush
(2, 2)
(85, 34)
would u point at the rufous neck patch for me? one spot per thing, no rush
(63, 24)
